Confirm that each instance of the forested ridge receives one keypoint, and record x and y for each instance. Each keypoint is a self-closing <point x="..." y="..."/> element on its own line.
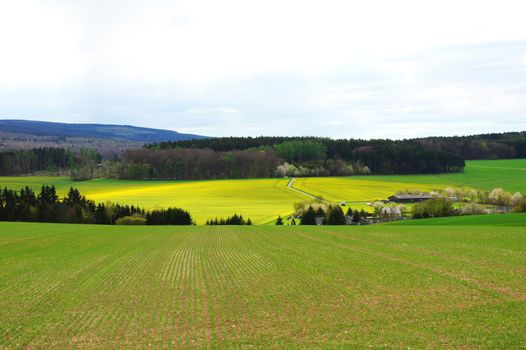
<point x="256" y="157"/>
<point x="483" y="146"/>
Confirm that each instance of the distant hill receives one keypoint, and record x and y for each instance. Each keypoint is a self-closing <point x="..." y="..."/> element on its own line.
<point x="97" y="131"/>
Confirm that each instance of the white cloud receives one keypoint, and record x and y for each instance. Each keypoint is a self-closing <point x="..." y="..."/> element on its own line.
<point x="331" y="67"/>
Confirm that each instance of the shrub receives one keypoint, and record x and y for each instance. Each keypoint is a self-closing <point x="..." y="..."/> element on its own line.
<point x="520" y="208"/>
<point x="516" y="199"/>
<point x="131" y="220"/>
<point x="432" y="208"/>
<point x="499" y="197"/>
<point x="473" y="209"/>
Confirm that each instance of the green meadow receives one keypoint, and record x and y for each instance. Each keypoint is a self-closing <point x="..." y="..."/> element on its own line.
<point x="480" y="174"/>
<point x="263" y="200"/>
<point x="381" y="286"/>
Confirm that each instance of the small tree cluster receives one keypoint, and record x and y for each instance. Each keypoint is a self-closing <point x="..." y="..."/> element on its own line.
<point x="436" y="207"/>
<point x="232" y="220"/>
<point x="332" y="215"/>
<point x="170" y="216"/>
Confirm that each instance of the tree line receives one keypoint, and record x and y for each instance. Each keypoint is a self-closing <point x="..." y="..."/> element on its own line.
<point x="231" y="220"/>
<point x="483" y="146"/>
<point x="278" y="156"/>
<point x="252" y="157"/>
<point x="50" y="159"/>
<point x="486" y="146"/>
<point x="47" y="206"/>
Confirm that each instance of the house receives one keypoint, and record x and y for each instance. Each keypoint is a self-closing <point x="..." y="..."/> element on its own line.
<point x="410" y="198"/>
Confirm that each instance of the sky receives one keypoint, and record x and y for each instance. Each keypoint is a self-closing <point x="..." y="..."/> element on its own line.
<point x="336" y="68"/>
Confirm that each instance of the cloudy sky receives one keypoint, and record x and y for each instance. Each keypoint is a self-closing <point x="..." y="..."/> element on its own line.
<point x="339" y="68"/>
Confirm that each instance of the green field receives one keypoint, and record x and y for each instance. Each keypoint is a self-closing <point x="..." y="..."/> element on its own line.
<point x="381" y="286"/>
<point x="263" y="200"/>
<point x="358" y="190"/>
<point x="517" y="220"/>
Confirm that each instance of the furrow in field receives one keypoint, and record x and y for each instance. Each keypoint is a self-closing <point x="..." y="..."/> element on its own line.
<point x="460" y="278"/>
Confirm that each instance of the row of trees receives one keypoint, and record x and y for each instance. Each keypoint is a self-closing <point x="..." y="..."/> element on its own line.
<point x="47" y="206"/>
<point x="487" y="146"/>
<point x="45" y="159"/>
<point x="484" y="146"/>
<point x="188" y="164"/>
<point x="328" y="215"/>
<point x="478" y="202"/>
<point x="231" y="220"/>
<point x="323" y="156"/>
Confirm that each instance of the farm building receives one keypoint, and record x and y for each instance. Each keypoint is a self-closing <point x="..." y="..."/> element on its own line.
<point x="410" y="198"/>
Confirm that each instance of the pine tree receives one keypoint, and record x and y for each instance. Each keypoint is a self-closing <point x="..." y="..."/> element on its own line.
<point x="308" y="217"/>
<point x="356" y="217"/>
<point x="335" y="216"/>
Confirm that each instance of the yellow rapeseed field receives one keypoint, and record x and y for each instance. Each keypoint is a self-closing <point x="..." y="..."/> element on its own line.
<point x="359" y="190"/>
<point x="261" y="200"/>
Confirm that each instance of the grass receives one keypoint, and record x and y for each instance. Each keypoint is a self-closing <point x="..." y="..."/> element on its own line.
<point x="494" y="219"/>
<point x="381" y="286"/>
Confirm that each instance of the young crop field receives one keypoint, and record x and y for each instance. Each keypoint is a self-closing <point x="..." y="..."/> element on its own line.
<point x="517" y="220"/>
<point x="381" y="286"/>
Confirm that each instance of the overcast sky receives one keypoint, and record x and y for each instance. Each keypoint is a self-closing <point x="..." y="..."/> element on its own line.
<point x="375" y="68"/>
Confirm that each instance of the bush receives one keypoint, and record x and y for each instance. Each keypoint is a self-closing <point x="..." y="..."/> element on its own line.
<point x="500" y="197"/>
<point x="473" y="209"/>
<point x="520" y="208"/>
<point x="433" y="208"/>
<point x="131" y="220"/>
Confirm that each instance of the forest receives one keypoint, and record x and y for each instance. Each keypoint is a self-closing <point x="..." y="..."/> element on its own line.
<point x="247" y="157"/>
<point x="264" y="157"/>
<point x="47" y="159"/>
<point x="484" y="146"/>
